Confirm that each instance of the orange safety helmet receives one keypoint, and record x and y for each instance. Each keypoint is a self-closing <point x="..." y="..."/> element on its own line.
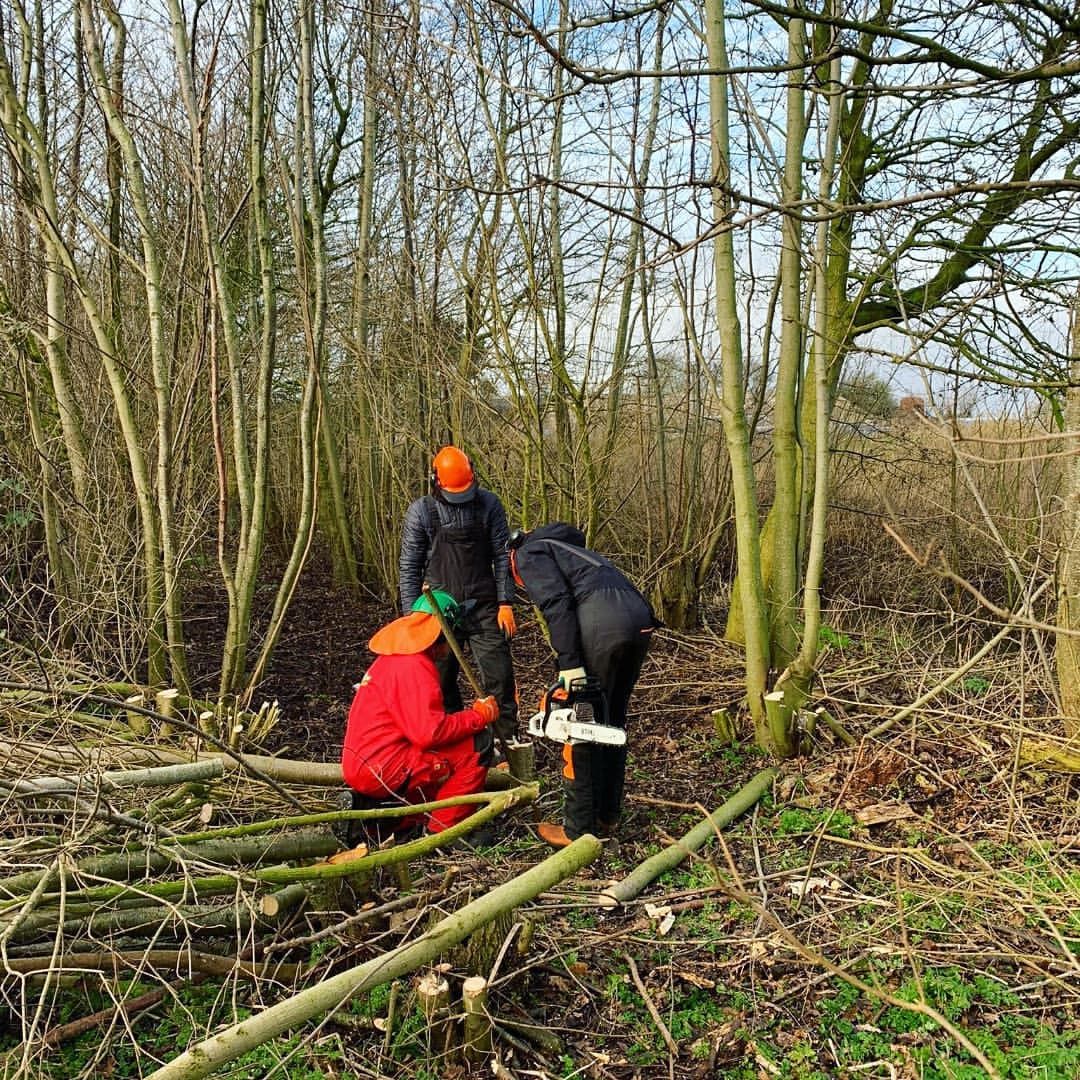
<point x="452" y="473"/>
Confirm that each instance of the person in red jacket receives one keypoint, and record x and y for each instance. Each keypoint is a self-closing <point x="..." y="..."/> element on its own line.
<point x="401" y="745"/>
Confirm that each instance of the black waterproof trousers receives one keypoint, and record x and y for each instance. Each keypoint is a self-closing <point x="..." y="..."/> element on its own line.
<point x="616" y="629"/>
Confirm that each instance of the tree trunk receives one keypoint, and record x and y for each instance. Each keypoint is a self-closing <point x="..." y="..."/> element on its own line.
<point x="801" y="668"/>
<point x="783" y="584"/>
<point x="21" y="131"/>
<point x="733" y="406"/>
<point x="159" y="367"/>
<point x="307" y="219"/>
<point x="1068" y="647"/>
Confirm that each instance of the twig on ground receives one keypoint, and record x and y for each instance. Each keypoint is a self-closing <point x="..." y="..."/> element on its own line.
<point x="658" y="1020"/>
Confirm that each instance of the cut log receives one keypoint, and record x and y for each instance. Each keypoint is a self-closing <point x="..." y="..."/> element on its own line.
<point x="1048" y="755"/>
<point x="165" y="921"/>
<point x="129" y="865"/>
<point x="160" y="776"/>
<point x="183" y="961"/>
<point x="241" y="846"/>
<point x="274" y="905"/>
<point x="647" y="872"/>
<point x="205" y="1057"/>
<point x="283" y="770"/>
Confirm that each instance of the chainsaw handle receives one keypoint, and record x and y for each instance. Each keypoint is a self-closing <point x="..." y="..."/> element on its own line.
<point x="549" y="697"/>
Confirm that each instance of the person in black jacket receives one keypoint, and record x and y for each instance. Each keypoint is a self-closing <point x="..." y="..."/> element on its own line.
<point x="455" y="539"/>
<point x="599" y="626"/>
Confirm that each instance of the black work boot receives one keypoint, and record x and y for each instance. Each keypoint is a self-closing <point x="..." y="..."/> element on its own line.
<point x="345" y="831"/>
<point x="605" y="829"/>
<point x="483" y="836"/>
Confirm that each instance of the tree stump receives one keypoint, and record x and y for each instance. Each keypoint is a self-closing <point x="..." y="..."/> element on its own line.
<point x="521" y="757"/>
<point x="433" y="998"/>
<point x="477" y="952"/>
<point x="138" y="722"/>
<point x="477" y="1030"/>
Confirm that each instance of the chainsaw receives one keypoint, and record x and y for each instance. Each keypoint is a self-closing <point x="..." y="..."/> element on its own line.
<point x="577" y="714"/>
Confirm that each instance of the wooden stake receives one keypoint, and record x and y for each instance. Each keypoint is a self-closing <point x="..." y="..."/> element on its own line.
<point x="138" y="723"/>
<point x="477" y="1035"/>
<point x="433" y="997"/>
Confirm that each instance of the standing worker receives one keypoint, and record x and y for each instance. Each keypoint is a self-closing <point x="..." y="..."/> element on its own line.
<point x="401" y="742"/>
<point x="601" y="626"/>
<point x="455" y="539"/>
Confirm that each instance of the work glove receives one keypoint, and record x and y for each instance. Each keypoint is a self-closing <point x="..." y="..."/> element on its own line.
<point x="506" y="621"/>
<point x="488" y="708"/>
<point x="568" y="676"/>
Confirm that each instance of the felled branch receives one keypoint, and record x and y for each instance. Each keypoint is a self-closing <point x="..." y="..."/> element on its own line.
<point x="207" y="1056"/>
<point x="647" y="872"/>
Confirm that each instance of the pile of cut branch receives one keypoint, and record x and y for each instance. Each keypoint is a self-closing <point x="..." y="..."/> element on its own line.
<point x="131" y="870"/>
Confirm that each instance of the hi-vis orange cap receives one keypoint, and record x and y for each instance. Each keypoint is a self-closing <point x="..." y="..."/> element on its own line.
<point x="412" y="633"/>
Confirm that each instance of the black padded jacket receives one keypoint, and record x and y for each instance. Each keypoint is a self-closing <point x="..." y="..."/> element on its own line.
<point x="562" y="575"/>
<point x="418" y="538"/>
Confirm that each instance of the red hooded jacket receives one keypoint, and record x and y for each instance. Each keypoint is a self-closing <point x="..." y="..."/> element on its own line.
<point x="397" y="719"/>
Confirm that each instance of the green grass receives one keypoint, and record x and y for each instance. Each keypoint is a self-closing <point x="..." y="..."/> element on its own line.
<point x="582" y="918"/>
<point x="195" y="1012"/>
<point x="854" y="1033"/>
<point x="795" y="821"/>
